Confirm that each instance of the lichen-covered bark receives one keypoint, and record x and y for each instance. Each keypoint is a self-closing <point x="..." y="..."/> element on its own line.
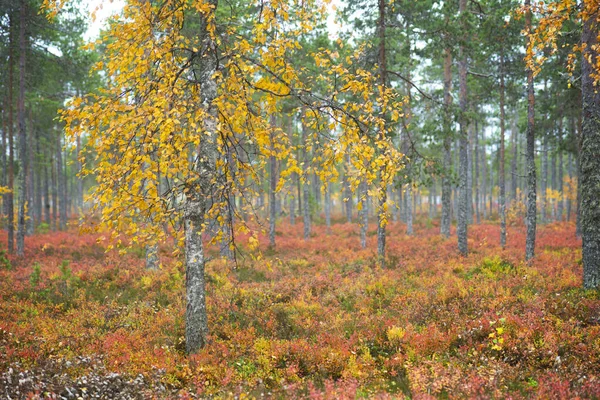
<point x="590" y="160"/>
<point x="530" y="218"/>
<point x="196" y="321"/>
<point x="198" y="194"/>
<point x="152" y="260"/>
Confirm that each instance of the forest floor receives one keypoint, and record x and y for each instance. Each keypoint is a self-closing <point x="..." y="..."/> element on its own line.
<point x="315" y="318"/>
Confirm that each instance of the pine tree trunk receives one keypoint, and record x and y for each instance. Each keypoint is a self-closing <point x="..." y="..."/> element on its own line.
<point x="470" y="208"/>
<point x="513" y="165"/>
<point x="484" y="178"/>
<point x="54" y="195"/>
<point x="409" y="210"/>
<point x="463" y="206"/>
<point x="47" y="196"/>
<point x="447" y="157"/>
<point x="328" y="206"/>
<point x="531" y="173"/>
<point x="10" y="208"/>
<point x="544" y="183"/>
<point x="31" y="220"/>
<point x="501" y="182"/>
<point x="22" y="134"/>
<point x="272" y="187"/>
<point x="590" y="149"/>
<point x="79" y="201"/>
<point x="381" y="209"/>
<point x="476" y="170"/>
<point x="62" y="205"/>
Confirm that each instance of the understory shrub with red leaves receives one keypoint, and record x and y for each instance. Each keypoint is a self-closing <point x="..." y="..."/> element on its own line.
<point x="316" y="318"/>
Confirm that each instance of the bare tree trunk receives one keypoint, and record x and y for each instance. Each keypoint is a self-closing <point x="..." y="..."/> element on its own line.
<point x="570" y="173"/>
<point x="476" y="170"/>
<point x="463" y="206"/>
<point x="62" y="201"/>
<point x="446" y="178"/>
<point x="272" y="187"/>
<point x="544" y="183"/>
<point x="590" y="149"/>
<point x="328" y="206"/>
<point x="513" y="165"/>
<point x="10" y="209"/>
<point x="47" y="196"/>
<point x="382" y="197"/>
<point x="531" y="174"/>
<point x="409" y="210"/>
<point x="470" y="208"/>
<point x="306" y="183"/>
<point x="79" y="201"/>
<point x="501" y="182"/>
<point x="22" y="133"/>
<point x="31" y="218"/>
<point x="484" y="178"/>
<point x="54" y="195"/>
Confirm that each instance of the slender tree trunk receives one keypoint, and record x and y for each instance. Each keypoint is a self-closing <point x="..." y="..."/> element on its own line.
<point x="364" y="214"/>
<point x="531" y="174"/>
<point x="381" y="209"/>
<point x="62" y="205"/>
<point x="476" y="170"/>
<point x="409" y="210"/>
<point x="544" y="183"/>
<point x="560" y="177"/>
<point x="463" y="207"/>
<point x="4" y="160"/>
<point x="10" y="209"/>
<point x="31" y="220"/>
<point x="590" y="149"/>
<point x="501" y="182"/>
<point x="272" y="187"/>
<point x="79" y="178"/>
<point x="484" y="177"/>
<point x="22" y="133"/>
<point x="47" y="196"/>
<point x="347" y="200"/>
<point x="328" y="206"/>
<point x="570" y="172"/>
<point x="513" y="165"/>
<point x="470" y="208"/>
<point x="306" y="183"/>
<point x="54" y="195"/>
<point x="38" y="185"/>
<point x="446" y="178"/>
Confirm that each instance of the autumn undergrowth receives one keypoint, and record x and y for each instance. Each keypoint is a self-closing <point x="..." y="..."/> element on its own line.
<point x="318" y="318"/>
